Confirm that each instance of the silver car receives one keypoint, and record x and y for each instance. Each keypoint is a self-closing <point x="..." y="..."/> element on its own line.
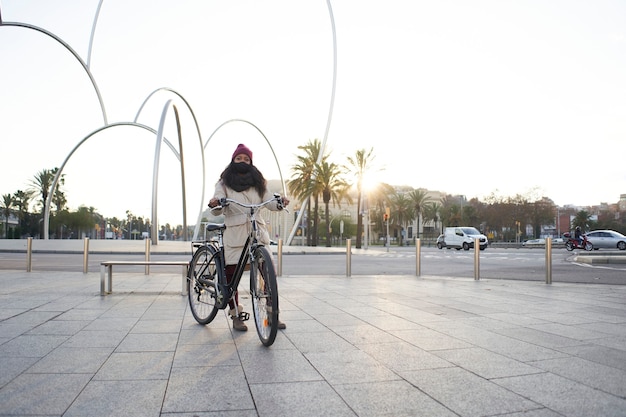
<point x="607" y="239"/>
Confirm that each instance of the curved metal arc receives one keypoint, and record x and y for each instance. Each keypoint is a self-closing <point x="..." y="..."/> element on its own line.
<point x="69" y="48"/>
<point x="93" y="32"/>
<point x="172" y="148"/>
<point x="282" y="182"/>
<point x="46" y="225"/>
<point x="155" y="173"/>
<point x="262" y="134"/>
<point x="330" y="115"/>
<point x="195" y="120"/>
<point x="182" y="173"/>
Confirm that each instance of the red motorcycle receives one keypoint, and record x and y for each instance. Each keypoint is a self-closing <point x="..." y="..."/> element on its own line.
<point x="573" y="243"/>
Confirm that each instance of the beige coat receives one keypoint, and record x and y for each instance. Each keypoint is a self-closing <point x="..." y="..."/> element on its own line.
<point x="237" y="219"/>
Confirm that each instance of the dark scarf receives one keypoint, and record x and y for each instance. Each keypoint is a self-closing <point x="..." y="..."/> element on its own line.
<point x="241" y="176"/>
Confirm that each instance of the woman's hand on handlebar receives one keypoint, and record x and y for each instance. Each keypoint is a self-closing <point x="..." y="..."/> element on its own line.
<point x="282" y="202"/>
<point x="214" y="202"/>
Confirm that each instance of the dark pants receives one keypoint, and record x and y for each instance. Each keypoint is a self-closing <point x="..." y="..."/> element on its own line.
<point x="230" y="272"/>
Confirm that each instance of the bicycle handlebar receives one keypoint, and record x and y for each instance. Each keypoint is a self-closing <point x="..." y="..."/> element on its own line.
<point x="226" y="201"/>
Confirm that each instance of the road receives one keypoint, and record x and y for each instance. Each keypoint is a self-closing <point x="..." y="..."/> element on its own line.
<point x="522" y="264"/>
<point x="494" y="263"/>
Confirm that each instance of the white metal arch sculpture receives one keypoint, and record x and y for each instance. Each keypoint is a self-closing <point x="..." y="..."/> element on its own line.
<point x="46" y="217"/>
<point x="72" y="51"/>
<point x="159" y="134"/>
<point x="155" y="173"/>
<point x="100" y="100"/>
<point x="159" y="137"/>
<point x="330" y="116"/>
<point x="179" y="156"/>
<point x="155" y="181"/>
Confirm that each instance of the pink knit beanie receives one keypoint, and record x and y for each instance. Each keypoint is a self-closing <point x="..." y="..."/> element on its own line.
<point x="242" y="149"/>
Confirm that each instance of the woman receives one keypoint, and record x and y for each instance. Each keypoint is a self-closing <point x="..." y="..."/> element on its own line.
<point x="243" y="182"/>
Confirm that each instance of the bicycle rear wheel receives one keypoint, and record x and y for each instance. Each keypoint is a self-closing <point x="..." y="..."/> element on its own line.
<point x="202" y="283"/>
<point x="264" y="294"/>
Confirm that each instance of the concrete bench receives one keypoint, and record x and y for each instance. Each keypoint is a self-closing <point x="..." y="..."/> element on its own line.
<point x="106" y="268"/>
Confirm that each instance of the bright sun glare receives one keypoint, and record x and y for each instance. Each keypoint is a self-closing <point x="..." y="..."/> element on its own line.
<point x="370" y="182"/>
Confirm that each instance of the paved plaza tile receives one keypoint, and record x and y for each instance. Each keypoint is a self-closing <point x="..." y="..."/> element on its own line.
<point x="354" y="346"/>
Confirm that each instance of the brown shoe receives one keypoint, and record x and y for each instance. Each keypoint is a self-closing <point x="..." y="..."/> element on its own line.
<point x="239" y="325"/>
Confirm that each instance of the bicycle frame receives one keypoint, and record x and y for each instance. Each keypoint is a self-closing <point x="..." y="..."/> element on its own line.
<point x="225" y="291"/>
<point x="247" y="254"/>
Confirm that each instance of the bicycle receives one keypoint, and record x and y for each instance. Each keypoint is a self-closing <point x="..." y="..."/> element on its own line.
<point x="208" y="290"/>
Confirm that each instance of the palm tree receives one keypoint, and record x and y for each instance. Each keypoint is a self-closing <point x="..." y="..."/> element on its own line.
<point x="334" y="188"/>
<point x="431" y="213"/>
<point x="401" y="211"/>
<point x="302" y="184"/>
<point x="58" y="198"/>
<point x="418" y="198"/>
<point x="450" y="211"/>
<point x="41" y="183"/>
<point x="582" y="219"/>
<point x="7" y="203"/>
<point x="359" y="165"/>
<point x="129" y="224"/>
<point x="22" y="201"/>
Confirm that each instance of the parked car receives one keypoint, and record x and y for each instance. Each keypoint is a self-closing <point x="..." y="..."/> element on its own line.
<point x="534" y="242"/>
<point x="607" y="239"/>
<point x="441" y="243"/>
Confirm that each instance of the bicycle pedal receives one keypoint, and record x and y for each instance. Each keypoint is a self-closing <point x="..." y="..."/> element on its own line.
<point x="243" y="316"/>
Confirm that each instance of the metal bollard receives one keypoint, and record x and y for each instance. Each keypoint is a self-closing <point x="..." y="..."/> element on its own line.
<point x="280" y="258"/>
<point x="148" y="241"/>
<point x="476" y="259"/>
<point x="348" y="257"/>
<point x="29" y="255"/>
<point x="86" y="256"/>
<point x="418" y="257"/>
<point x="548" y="260"/>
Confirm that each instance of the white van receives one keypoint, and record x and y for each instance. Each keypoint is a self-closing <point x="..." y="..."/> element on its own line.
<point x="463" y="237"/>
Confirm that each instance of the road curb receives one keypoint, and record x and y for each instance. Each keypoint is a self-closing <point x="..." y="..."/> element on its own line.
<point x="601" y="259"/>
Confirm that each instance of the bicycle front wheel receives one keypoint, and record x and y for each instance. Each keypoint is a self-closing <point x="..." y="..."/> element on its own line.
<point x="202" y="283"/>
<point x="264" y="294"/>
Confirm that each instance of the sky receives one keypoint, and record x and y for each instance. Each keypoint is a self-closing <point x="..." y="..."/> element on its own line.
<point x="463" y="97"/>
